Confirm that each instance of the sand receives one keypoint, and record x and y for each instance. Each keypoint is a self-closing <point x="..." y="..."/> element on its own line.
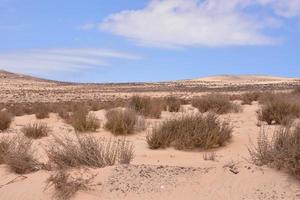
<point x="162" y="174"/>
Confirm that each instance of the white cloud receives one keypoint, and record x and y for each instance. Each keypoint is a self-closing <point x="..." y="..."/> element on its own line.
<point x="87" y="26"/>
<point x="177" y="23"/>
<point x="59" y="60"/>
<point x="285" y="8"/>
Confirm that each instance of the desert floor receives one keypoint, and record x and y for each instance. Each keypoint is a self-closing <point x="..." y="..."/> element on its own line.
<point x="162" y="174"/>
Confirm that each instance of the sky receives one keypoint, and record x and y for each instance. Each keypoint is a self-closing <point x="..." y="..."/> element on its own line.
<point x="149" y="40"/>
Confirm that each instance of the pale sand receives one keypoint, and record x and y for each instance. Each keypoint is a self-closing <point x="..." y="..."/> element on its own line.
<point x="163" y="174"/>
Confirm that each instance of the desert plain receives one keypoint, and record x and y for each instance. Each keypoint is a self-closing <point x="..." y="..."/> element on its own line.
<point x="222" y="172"/>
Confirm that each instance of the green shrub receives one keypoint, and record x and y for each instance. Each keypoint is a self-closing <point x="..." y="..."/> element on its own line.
<point x="189" y="132"/>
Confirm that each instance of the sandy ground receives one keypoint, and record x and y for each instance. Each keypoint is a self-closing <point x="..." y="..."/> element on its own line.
<point x="163" y="174"/>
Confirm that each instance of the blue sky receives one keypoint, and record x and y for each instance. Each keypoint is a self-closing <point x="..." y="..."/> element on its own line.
<point x="156" y="40"/>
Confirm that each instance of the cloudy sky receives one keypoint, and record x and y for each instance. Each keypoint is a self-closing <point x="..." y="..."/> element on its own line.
<point x="149" y="40"/>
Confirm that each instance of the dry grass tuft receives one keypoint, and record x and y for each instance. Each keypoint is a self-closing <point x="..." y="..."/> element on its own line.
<point x="190" y="132"/>
<point x="36" y="130"/>
<point x="173" y="104"/>
<point x="89" y="151"/>
<point x="296" y="90"/>
<point x="5" y="120"/>
<point x="121" y="122"/>
<point x="210" y="156"/>
<point x="147" y="106"/>
<point x="281" y="151"/>
<point x="83" y="121"/>
<point x="4" y="145"/>
<point x="19" y="156"/>
<point x="66" y="186"/>
<point x="248" y="98"/>
<point x="279" y="109"/>
<point x="41" y="111"/>
<point x="217" y="103"/>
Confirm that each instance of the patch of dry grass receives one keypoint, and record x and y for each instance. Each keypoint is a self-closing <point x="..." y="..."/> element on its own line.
<point x="281" y="150"/>
<point x="249" y="97"/>
<point x="190" y="132"/>
<point x="19" y="155"/>
<point x="66" y="185"/>
<point x="88" y="151"/>
<point x="83" y="121"/>
<point x="5" y="120"/>
<point x="147" y="106"/>
<point x="121" y="122"/>
<point x="36" y="130"/>
<point x="216" y="103"/>
<point x="279" y="108"/>
<point x="41" y="111"/>
<point x="173" y="104"/>
<point x="4" y="145"/>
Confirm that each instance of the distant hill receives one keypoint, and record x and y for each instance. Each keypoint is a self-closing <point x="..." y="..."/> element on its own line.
<point x="243" y="78"/>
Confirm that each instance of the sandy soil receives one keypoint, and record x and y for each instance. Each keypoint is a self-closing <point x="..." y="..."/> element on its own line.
<point x="163" y="174"/>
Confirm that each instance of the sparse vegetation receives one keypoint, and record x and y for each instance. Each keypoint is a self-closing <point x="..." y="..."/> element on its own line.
<point x="190" y="132"/>
<point x="88" y="151"/>
<point x="41" y="111"/>
<point x="172" y="104"/>
<point x="279" y="109"/>
<point x="249" y="97"/>
<point x="147" y="106"/>
<point x="66" y="186"/>
<point x="282" y="150"/>
<point x="121" y="122"/>
<point x="19" y="155"/>
<point x="217" y="103"/>
<point x="209" y="156"/>
<point x="36" y="130"/>
<point x="296" y="90"/>
<point x="83" y="121"/>
<point x="5" y="120"/>
<point x="4" y="145"/>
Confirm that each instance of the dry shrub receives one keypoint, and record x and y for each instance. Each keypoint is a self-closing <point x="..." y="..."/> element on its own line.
<point x="279" y="109"/>
<point x="121" y="122"/>
<point x="190" y="132"/>
<point x="66" y="185"/>
<point x="147" y="106"/>
<point x="19" y="156"/>
<point x="249" y="97"/>
<point x="210" y="156"/>
<point x="4" y="145"/>
<point x="36" y="130"/>
<point x="83" y="121"/>
<point x="89" y="151"/>
<point x="172" y="104"/>
<point x="5" y="120"/>
<point x="296" y="91"/>
<point x="281" y="150"/>
<point x="41" y="111"/>
<point x="217" y="103"/>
